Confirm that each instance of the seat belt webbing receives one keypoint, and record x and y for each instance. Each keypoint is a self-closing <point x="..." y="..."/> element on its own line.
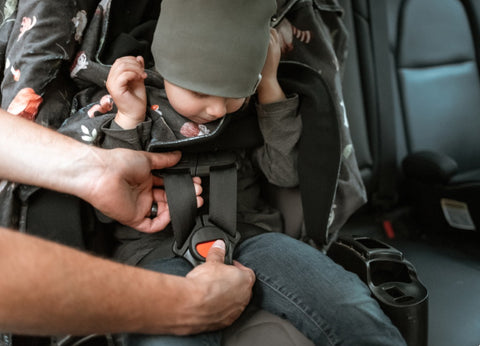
<point x="385" y="196"/>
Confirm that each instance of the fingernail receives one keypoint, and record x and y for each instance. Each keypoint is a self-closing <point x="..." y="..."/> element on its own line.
<point x="219" y="243"/>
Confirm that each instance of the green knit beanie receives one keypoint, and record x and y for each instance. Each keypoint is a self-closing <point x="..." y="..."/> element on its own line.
<point x="214" y="47"/>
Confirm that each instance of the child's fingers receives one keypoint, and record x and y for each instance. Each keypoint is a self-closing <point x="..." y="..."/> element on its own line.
<point x="140" y="61"/>
<point x="200" y="201"/>
<point x="129" y="64"/>
<point x="127" y="76"/>
<point x="198" y="189"/>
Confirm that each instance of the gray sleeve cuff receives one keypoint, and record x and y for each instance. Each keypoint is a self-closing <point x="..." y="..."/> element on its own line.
<point x="117" y="137"/>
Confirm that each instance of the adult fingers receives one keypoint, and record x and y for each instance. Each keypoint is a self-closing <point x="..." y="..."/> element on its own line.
<point x="163" y="160"/>
<point x="160" y="196"/>
<point x="246" y="269"/>
<point x="160" y="221"/>
<point x="156" y="224"/>
<point x="217" y="252"/>
<point x="157" y="181"/>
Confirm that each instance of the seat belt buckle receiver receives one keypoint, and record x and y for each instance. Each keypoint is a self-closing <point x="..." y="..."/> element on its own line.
<point x="200" y="240"/>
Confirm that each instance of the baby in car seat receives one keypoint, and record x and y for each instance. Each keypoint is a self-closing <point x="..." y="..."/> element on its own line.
<point x="219" y="59"/>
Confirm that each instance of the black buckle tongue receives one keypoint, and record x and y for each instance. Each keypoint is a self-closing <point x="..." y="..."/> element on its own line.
<point x="204" y="234"/>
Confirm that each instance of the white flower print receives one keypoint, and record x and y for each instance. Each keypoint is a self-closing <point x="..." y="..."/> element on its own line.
<point x="81" y="63"/>
<point x="80" y="22"/>
<point x="88" y="137"/>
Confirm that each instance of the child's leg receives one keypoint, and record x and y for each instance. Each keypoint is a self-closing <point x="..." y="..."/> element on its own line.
<point x="328" y="304"/>
<point x="167" y="340"/>
<point x="175" y="266"/>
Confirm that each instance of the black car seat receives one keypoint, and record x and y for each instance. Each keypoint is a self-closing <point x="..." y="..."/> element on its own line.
<point x="436" y="71"/>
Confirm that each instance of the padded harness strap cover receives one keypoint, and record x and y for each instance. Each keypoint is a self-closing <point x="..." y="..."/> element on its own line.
<point x="319" y="147"/>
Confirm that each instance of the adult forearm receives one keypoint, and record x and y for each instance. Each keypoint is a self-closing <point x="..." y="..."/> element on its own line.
<point x="39" y="156"/>
<point x="47" y="289"/>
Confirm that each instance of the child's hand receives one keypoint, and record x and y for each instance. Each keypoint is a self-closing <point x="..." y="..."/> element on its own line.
<point x="269" y="90"/>
<point x="126" y="85"/>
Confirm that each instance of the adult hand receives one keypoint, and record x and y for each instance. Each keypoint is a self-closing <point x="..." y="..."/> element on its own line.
<point x="124" y="187"/>
<point x="222" y="292"/>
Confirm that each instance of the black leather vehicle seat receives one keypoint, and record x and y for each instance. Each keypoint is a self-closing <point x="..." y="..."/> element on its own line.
<point x="439" y="86"/>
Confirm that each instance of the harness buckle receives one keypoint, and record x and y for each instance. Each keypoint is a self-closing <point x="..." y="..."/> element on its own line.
<point x="194" y="234"/>
<point x="200" y="240"/>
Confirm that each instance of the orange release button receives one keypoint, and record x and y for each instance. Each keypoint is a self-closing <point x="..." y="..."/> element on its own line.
<point x="203" y="248"/>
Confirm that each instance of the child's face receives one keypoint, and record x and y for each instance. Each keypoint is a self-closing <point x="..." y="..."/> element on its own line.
<point x="200" y="108"/>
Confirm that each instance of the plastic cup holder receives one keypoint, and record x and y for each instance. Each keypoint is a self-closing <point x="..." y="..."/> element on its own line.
<point x="398" y="296"/>
<point x="382" y="271"/>
<point x="392" y="280"/>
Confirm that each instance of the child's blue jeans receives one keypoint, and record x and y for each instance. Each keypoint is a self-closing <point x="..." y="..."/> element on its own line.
<point x="295" y="281"/>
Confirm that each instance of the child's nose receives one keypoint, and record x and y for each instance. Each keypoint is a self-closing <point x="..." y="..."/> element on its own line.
<point x="217" y="107"/>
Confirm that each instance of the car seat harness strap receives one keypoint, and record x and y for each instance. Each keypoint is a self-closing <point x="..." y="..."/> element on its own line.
<point x="182" y="204"/>
<point x="194" y="234"/>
